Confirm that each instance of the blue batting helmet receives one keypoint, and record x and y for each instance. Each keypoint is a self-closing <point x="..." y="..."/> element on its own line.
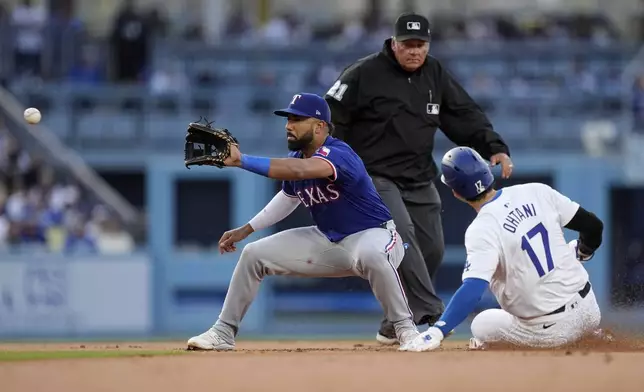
<point x="466" y="172"/>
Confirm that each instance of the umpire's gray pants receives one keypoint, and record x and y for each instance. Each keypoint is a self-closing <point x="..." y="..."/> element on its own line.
<point x="417" y="214"/>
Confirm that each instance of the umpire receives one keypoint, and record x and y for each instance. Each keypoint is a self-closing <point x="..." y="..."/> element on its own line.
<point x="387" y="107"/>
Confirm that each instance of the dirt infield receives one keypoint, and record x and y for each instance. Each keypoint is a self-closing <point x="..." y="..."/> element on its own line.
<point x="330" y="366"/>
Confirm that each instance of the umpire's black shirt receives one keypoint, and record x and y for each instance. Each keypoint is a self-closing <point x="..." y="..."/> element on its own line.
<point x="389" y="116"/>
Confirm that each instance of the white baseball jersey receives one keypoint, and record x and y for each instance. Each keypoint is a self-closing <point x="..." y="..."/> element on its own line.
<point x="516" y="242"/>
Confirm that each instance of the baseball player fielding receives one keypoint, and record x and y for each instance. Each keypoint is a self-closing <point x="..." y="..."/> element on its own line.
<point x="354" y="233"/>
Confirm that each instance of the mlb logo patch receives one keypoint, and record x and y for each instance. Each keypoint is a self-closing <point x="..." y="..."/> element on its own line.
<point x="433" y="108"/>
<point x="324" y="151"/>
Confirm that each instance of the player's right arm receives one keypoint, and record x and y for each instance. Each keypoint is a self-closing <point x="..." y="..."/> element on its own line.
<point x="281" y="206"/>
<point x="342" y="98"/>
<point x="574" y="217"/>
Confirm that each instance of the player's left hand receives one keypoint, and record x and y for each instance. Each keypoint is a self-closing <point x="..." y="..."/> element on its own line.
<point x="235" y="156"/>
<point x="505" y="161"/>
<point x="426" y="341"/>
<point x="207" y="145"/>
<point x="580" y="254"/>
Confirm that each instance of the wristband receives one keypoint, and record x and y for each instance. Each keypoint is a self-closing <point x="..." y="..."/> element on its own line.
<point x="257" y="165"/>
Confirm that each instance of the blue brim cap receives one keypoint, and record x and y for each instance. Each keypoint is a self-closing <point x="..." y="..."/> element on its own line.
<point x="287" y="111"/>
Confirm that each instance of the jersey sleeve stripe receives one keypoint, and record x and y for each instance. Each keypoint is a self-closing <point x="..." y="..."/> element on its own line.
<point x="289" y="195"/>
<point x="335" y="172"/>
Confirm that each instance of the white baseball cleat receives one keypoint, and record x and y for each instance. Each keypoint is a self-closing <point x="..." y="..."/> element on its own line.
<point x="209" y="340"/>
<point x="426" y="341"/>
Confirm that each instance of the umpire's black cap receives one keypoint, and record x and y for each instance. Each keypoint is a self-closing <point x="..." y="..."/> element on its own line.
<point x="411" y="26"/>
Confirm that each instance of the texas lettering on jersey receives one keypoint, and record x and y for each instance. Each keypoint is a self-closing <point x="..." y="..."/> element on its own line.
<point x="315" y="195"/>
<point x="345" y="203"/>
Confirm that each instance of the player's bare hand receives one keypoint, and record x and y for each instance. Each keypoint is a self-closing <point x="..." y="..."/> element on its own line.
<point x="235" y="156"/>
<point x="506" y="163"/>
<point x="231" y="237"/>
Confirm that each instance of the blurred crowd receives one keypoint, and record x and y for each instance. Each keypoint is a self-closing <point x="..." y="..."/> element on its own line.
<point x="42" y="211"/>
<point x="42" y="39"/>
<point x="288" y="29"/>
<point x="55" y="46"/>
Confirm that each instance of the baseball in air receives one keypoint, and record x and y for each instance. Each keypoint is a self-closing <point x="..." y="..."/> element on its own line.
<point x="32" y="115"/>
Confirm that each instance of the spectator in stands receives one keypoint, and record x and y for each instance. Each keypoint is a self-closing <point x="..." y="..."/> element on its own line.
<point x="238" y="26"/>
<point x="16" y="205"/>
<point x="129" y="44"/>
<point x="169" y="79"/>
<point x="89" y="70"/>
<point x="98" y="216"/>
<point x="4" y="229"/>
<point x="28" y="21"/>
<point x="277" y="32"/>
<point x="353" y="32"/>
<point x="581" y="79"/>
<point x="23" y="212"/>
<point x="157" y="22"/>
<point x="64" y="34"/>
<point x="52" y="223"/>
<point x="77" y="240"/>
<point x="324" y="75"/>
<point x="638" y="105"/>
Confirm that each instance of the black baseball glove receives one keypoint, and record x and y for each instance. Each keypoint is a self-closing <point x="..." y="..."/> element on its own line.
<point x="206" y="145"/>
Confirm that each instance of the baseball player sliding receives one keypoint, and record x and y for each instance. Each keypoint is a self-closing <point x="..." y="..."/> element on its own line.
<point x="516" y="245"/>
<point x="354" y="233"/>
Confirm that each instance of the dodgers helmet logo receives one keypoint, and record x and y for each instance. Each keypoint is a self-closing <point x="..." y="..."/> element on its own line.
<point x="479" y="186"/>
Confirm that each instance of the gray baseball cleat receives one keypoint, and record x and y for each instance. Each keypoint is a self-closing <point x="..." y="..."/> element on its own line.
<point x="209" y="340"/>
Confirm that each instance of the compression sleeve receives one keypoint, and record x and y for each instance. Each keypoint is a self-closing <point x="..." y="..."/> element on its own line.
<point x="462" y="304"/>
<point x="277" y="209"/>
<point x="590" y="229"/>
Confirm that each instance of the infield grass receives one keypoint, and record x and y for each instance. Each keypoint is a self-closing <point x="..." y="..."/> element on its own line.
<point x="6" y="356"/>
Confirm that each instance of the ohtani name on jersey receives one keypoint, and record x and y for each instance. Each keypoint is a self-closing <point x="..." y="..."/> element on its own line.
<point x="517" y="216"/>
<point x="313" y="195"/>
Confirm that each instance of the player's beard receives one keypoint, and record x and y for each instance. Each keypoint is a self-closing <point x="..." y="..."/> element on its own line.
<point x="301" y="142"/>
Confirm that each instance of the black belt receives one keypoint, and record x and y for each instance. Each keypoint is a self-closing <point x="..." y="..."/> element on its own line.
<point x="582" y="293"/>
<point x="383" y="225"/>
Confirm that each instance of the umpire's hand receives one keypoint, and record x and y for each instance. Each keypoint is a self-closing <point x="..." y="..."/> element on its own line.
<point x="505" y="161"/>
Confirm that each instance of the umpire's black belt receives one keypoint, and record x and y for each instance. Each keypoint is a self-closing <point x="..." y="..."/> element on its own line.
<point x="582" y="293"/>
